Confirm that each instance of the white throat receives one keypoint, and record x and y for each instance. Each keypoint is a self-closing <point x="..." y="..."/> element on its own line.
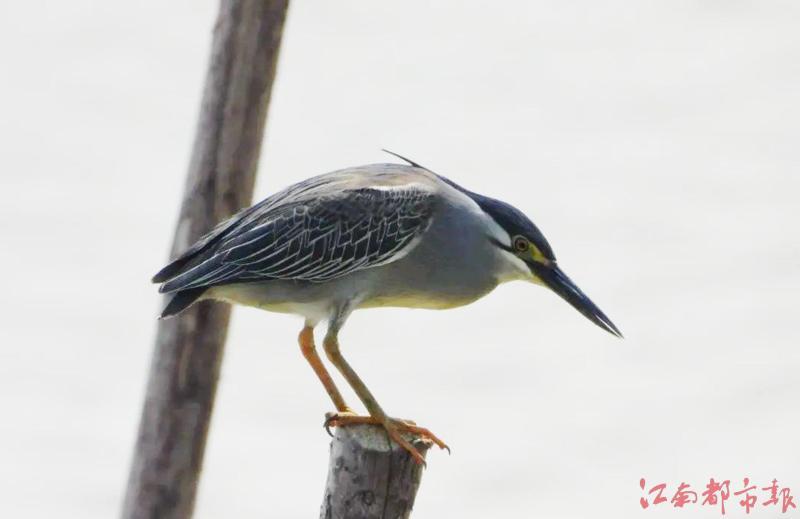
<point x="509" y="266"/>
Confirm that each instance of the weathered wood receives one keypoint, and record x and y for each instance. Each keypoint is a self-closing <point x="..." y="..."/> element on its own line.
<point x="370" y="477"/>
<point x="189" y="348"/>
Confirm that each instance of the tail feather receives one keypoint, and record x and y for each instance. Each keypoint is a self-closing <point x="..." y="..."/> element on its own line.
<point x="172" y="269"/>
<point x="196" y="277"/>
<point x="193" y="253"/>
<point x="182" y="300"/>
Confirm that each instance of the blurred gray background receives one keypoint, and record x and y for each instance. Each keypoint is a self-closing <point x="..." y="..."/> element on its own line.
<point x="655" y="144"/>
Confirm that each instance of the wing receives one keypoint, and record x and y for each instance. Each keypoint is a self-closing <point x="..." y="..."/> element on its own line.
<point x="314" y="239"/>
<point x="240" y="222"/>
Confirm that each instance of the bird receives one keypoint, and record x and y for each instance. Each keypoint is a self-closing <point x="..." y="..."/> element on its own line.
<point x="378" y="235"/>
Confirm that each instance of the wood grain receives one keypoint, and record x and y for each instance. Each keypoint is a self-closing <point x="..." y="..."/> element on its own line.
<point x="189" y="348"/>
<point x="370" y="477"/>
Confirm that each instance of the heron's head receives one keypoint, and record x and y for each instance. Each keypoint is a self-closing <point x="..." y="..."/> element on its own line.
<point x="526" y="243"/>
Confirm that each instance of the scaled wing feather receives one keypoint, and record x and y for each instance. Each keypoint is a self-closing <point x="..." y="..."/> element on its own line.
<point x="315" y="239"/>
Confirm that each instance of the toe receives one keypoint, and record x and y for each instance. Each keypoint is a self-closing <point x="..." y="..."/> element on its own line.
<point x="405" y="444"/>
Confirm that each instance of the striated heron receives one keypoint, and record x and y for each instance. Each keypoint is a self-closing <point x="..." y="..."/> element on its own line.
<point x="370" y="236"/>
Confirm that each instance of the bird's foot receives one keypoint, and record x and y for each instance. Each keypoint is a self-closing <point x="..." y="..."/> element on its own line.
<point x="394" y="427"/>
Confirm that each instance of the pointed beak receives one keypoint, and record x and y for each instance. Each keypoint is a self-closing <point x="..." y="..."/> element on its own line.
<point x="555" y="279"/>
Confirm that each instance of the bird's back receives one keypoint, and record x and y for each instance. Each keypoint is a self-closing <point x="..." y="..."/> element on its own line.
<point x="311" y="219"/>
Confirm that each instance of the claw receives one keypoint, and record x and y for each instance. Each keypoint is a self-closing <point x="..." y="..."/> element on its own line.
<point x="332" y="419"/>
<point x="393" y="428"/>
<point x="425" y="433"/>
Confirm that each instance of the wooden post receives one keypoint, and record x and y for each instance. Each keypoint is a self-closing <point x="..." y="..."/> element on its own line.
<point x="369" y="476"/>
<point x="189" y="348"/>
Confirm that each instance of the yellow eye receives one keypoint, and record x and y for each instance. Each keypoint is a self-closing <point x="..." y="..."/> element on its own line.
<point x="521" y="244"/>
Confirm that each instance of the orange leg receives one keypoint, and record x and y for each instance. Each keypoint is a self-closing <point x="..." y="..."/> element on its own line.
<point x="306" y="340"/>
<point x="377" y="415"/>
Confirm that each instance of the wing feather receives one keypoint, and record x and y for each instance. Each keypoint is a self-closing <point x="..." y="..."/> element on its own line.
<point x="315" y="239"/>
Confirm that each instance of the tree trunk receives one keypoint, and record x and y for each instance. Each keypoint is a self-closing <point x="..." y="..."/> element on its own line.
<point x="369" y="476"/>
<point x="189" y="348"/>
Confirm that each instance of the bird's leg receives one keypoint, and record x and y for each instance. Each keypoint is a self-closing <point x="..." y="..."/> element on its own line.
<point x="377" y="415"/>
<point x="306" y="340"/>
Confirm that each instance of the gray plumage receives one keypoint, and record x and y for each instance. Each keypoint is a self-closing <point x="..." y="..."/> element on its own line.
<point x="323" y="229"/>
<point x="316" y="231"/>
<point x="376" y="235"/>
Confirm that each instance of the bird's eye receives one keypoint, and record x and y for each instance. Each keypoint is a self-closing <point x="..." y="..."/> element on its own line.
<point x="521" y="244"/>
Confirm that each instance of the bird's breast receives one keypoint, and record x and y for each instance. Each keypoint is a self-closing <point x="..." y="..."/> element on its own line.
<point x="424" y="300"/>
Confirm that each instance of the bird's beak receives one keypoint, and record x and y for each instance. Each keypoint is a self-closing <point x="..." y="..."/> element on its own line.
<point x="555" y="279"/>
